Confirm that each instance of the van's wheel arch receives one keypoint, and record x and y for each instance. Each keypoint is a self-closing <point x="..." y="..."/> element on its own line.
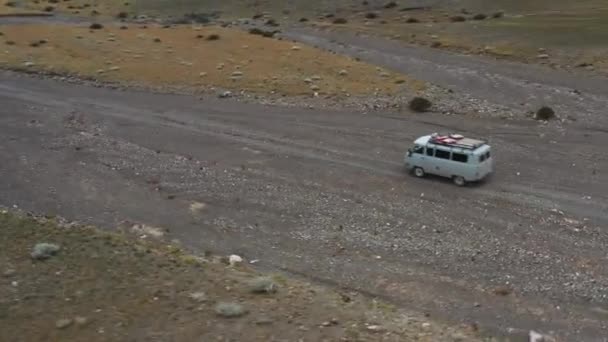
<point x="459" y="180"/>
<point x="419" y="172"/>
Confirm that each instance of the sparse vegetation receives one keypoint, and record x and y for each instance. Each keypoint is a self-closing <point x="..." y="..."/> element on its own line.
<point x="412" y="20"/>
<point x="390" y="4"/>
<point x="260" y="32"/>
<point x="479" y="16"/>
<point x="458" y="19"/>
<point x="545" y="113"/>
<point x="498" y="15"/>
<point x="420" y="104"/>
<point x="340" y="21"/>
<point x="371" y="15"/>
<point x="122" y="15"/>
<point x="213" y="36"/>
<point x="96" y="26"/>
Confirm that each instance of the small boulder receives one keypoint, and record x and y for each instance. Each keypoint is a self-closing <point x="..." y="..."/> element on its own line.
<point x="43" y="251"/>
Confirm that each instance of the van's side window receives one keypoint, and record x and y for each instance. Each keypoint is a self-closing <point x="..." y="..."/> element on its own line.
<point x="442" y="154"/>
<point x="488" y="155"/>
<point x="419" y="149"/>
<point x="459" y="157"/>
<point x="430" y="151"/>
<point x="482" y="158"/>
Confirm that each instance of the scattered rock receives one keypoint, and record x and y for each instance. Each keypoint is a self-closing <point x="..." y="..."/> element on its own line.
<point x="198" y="297"/>
<point x="80" y="320"/>
<point x="340" y="21"/>
<point x="29" y="64"/>
<point x="144" y="230"/>
<point x="230" y="310"/>
<point x="296" y="48"/>
<point x="63" y="323"/>
<point x="225" y="94"/>
<point x="44" y="250"/>
<point x="543" y="56"/>
<point x="315" y="87"/>
<point x="234" y="260"/>
<point x="114" y="68"/>
<point x="538" y="337"/>
<point x="202" y="74"/>
<point x="343" y="72"/>
<point x="544" y="113"/>
<point x="237" y="74"/>
<point x="371" y="15"/>
<point x="264" y="321"/>
<point x="262" y="285"/>
<point x="375" y="328"/>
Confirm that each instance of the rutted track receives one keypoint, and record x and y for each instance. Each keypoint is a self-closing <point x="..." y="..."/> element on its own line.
<point x="322" y="194"/>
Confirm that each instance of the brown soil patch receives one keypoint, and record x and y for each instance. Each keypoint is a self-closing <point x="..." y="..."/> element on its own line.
<point x="186" y="56"/>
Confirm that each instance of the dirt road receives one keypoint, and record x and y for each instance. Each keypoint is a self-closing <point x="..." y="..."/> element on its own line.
<point x="323" y="195"/>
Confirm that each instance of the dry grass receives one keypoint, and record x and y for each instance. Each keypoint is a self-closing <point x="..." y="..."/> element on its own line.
<point x="157" y="56"/>
<point x="106" y="8"/>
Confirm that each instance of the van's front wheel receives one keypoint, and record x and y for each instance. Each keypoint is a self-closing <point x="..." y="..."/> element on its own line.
<point x="459" y="180"/>
<point x="418" y="172"/>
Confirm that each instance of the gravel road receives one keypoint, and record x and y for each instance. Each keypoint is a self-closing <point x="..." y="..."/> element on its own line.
<point x="323" y="195"/>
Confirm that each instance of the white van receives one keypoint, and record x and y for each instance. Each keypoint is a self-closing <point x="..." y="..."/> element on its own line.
<point x="453" y="156"/>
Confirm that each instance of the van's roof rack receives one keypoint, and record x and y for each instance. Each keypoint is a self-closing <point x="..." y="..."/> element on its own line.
<point x="456" y="140"/>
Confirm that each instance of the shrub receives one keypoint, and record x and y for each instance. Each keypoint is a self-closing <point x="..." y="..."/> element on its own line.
<point x="10" y="4"/>
<point x="458" y="19"/>
<point x="479" y="16"/>
<point x="545" y="113"/>
<point x="260" y="32"/>
<point x="257" y="16"/>
<point x="271" y="22"/>
<point x="390" y="4"/>
<point x="303" y="20"/>
<point x="49" y="8"/>
<point x="213" y="36"/>
<point x="230" y="310"/>
<point x="122" y="15"/>
<point x="412" y="21"/>
<point x="420" y="104"/>
<point x="498" y="15"/>
<point x="340" y="21"/>
<point x="371" y="15"/>
<point x="96" y="26"/>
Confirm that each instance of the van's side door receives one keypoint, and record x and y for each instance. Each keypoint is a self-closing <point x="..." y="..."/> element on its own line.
<point x="442" y="162"/>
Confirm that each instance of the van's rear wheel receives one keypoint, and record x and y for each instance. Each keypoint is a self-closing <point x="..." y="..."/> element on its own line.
<point x="458" y="180"/>
<point x="419" y="172"/>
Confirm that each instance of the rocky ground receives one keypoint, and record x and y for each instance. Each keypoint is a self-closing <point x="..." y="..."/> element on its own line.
<point x="314" y="186"/>
<point x="65" y="282"/>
